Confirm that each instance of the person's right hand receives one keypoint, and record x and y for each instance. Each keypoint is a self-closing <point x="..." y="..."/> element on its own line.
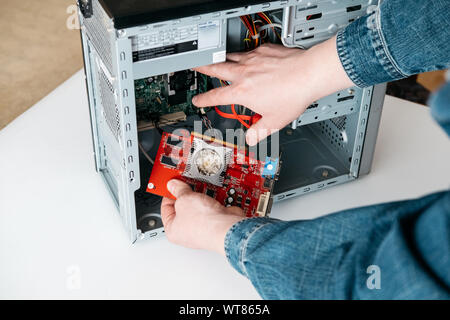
<point x="276" y="82"/>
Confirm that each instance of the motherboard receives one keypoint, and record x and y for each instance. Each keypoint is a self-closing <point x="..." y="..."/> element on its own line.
<point x="168" y="94"/>
<point x="215" y="168"/>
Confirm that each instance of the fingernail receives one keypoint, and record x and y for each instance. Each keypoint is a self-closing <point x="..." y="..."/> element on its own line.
<point x="171" y="185"/>
<point x="251" y="139"/>
<point x="194" y="100"/>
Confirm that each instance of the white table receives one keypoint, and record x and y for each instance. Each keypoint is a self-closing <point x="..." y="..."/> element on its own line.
<point x="61" y="237"/>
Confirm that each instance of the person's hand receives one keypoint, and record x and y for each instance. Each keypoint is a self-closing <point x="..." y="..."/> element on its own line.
<point x="195" y="220"/>
<point x="276" y="82"/>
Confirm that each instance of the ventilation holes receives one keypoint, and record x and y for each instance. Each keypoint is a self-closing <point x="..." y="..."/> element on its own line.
<point x="108" y="103"/>
<point x="332" y="129"/>
<point x="354" y="8"/>
<point x="97" y="27"/>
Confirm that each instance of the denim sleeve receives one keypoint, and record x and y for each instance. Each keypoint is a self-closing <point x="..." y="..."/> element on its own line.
<point x="397" y="250"/>
<point x="398" y="39"/>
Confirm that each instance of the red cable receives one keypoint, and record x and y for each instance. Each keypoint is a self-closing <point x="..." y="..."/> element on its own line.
<point x="241" y="118"/>
<point x="224" y="114"/>
<point x="247" y="24"/>
<point x="264" y="18"/>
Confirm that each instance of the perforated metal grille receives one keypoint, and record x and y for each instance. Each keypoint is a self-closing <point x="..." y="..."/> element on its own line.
<point x="108" y="102"/>
<point x="97" y="27"/>
<point x="313" y="21"/>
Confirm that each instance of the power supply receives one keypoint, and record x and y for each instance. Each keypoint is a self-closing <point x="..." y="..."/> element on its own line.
<point x="139" y="58"/>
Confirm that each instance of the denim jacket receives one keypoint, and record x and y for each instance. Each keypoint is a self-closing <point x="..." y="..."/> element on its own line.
<point x="404" y="246"/>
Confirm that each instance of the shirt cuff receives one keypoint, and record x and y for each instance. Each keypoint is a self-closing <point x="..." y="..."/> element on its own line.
<point x="238" y="238"/>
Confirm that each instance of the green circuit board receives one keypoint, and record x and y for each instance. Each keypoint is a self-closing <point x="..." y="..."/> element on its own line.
<point x="170" y="93"/>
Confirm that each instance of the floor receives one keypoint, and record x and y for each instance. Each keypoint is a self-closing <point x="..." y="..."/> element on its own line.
<point x="37" y="52"/>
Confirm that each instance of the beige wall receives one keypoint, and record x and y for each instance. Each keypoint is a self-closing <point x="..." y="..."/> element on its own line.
<point x="37" y="52"/>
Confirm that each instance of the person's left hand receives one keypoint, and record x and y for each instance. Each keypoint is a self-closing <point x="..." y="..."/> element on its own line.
<point x="195" y="220"/>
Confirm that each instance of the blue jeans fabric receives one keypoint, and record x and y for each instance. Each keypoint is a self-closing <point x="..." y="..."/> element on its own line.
<point x="329" y="257"/>
<point x="398" y="250"/>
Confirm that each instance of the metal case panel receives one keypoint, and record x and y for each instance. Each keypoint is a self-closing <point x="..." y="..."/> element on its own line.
<point x="111" y="68"/>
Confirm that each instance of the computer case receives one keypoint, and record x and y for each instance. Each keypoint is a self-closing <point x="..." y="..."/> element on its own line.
<point x="127" y="41"/>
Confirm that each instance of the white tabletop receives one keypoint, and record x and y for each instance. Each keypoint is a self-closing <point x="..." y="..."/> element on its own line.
<point x="61" y="237"/>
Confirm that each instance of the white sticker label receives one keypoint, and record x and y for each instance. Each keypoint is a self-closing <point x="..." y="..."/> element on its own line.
<point x="166" y="37"/>
<point x="219" y="56"/>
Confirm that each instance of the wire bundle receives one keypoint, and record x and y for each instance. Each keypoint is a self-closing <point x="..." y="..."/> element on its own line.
<point x="257" y="32"/>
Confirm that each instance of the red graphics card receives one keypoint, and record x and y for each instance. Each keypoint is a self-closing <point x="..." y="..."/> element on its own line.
<point x="217" y="169"/>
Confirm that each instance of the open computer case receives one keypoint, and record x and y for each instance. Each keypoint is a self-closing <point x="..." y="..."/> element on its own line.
<point x="136" y="49"/>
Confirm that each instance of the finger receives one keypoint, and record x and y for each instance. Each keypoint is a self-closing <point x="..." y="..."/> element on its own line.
<point x="167" y="211"/>
<point x="216" y="97"/>
<point x="260" y="130"/>
<point x="275" y="50"/>
<point x="228" y="71"/>
<point x="178" y="188"/>
<point x="236" y="211"/>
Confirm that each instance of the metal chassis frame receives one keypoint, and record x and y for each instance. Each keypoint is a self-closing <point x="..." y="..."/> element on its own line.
<point x="123" y="76"/>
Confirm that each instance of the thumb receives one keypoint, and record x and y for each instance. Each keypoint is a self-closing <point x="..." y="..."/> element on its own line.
<point x="259" y="131"/>
<point x="215" y="97"/>
<point x="178" y="188"/>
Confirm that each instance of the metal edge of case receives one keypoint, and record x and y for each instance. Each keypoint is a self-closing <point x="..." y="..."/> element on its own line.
<point x="134" y="20"/>
<point x="124" y="75"/>
<point x="88" y="80"/>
